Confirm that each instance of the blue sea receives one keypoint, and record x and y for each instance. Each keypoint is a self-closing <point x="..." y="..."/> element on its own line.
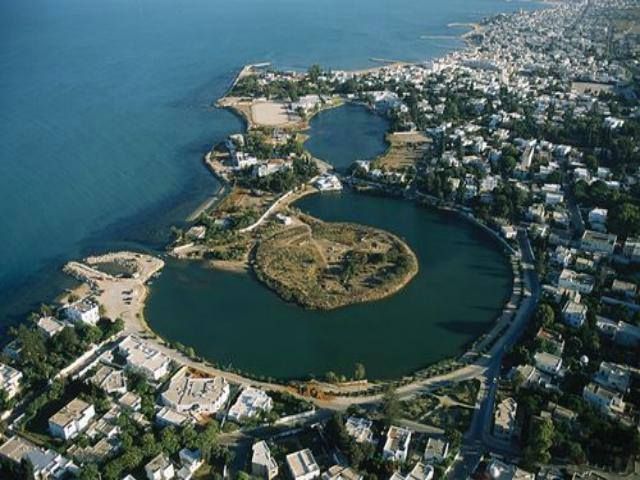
<point x="106" y="108"/>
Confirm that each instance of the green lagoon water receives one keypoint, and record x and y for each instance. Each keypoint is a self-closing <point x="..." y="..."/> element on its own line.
<point x="234" y="320"/>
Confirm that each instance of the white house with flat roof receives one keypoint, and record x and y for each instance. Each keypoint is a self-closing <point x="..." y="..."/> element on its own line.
<point x="421" y="471"/>
<point x="360" y="429"/>
<point x="169" y="417"/>
<point x="598" y="219"/>
<point x="160" y="468"/>
<point x="436" y="450"/>
<point x="605" y="400"/>
<point x="143" y="358"/>
<point x="302" y="465"/>
<point x="10" y="379"/>
<point x="574" y="314"/>
<point x="262" y="463"/>
<point x="188" y="393"/>
<point x="190" y="461"/>
<point x="249" y="404"/>
<point x="498" y="470"/>
<point x="50" y="326"/>
<point x="110" y="379"/>
<point x="396" y="445"/>
<point x="548" y="363"/>
<point x="71" y="419"/>
<point x="597" y="242"/>
<point x="579" y="282"/>
<point x="613" y="377"/>
<point x="339" y="472"/>
<point x="83" y="311"/>
<point x="46" y="464"/>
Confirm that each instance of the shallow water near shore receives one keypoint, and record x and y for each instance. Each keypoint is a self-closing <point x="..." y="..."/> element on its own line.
<point x="106" y="109"/>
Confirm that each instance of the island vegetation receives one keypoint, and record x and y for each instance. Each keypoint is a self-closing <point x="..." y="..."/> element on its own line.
<point x="329" y="265"/>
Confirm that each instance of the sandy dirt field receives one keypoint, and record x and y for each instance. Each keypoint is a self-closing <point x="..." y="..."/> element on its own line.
<point x="122" y="297"/>
<point x="272" y="114"/>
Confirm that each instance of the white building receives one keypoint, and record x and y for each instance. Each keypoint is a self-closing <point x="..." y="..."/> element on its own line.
<point x="504" y="419"/>
<point x="548" y="363"/>
<point x="579" y="282"/>
<point x="242" y="160"/>
<point x="608" y="402"/>
<point x="338" y="472"/>
<point x="110" y="380"/>
<point x="498" y="470"/>
<point x="262" y="463"/>
<point x="83" y="311"/>
<point x="72" y="419"/>
<point x="613" y="377"/>
<point x="597" y="242"/>
<point x="302" y="465"/>
<point x="574" y="314"/>
<point x="328" y="182"/>
<point x="160" y="468"/>
<point x="10" y="379"/>
<point x="130" y="401"/>
<point x="168" y="417"/>
<point x="250" y="403"/>
<point x="47" y="464"/>
<point x="628" y="289"/>
<point x="190" y="461"/>
<point x="306" y="103"/>
<point x="420" y="471"/>
<point x="598" y="219"/>
<point x="142" y="357"/>
<point x="436" y="450"/>
<point x="186" y="393"/>
<point x="50" y="326"/>
<point x="552" y="198"/>
<point x="360" y="429"/>
<point x="396" y="445"/>
<point x="631" y="249"/>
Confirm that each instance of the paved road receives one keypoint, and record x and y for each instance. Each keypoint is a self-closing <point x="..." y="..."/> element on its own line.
<point x="478" y="439"/>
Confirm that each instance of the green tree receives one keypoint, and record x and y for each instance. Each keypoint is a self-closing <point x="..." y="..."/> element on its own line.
<point x="89" y="471"/>
<point x="360" y="372"/>
<point x="169" y="441"/>
<point x="315" y="71"/>
<point x="545" y="315"/>
<point x="624" y="220"/>
<point x="390" y="406"/>
<point x="540" y="442"/>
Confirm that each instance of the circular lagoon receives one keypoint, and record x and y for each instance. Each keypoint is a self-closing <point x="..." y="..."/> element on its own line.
<point x="345" y="134"/>
<point x="235" y="321"/>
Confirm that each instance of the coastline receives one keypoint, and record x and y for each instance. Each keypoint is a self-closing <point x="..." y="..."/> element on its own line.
<point x="223" y="192"/>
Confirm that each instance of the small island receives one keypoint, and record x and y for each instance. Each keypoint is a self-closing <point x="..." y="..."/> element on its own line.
<point x="324" y="265"/>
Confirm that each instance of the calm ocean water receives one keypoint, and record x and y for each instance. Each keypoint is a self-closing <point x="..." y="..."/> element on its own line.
<point x="105" y="108"/>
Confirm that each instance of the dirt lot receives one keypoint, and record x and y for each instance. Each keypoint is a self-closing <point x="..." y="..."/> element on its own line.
<point x="272" y="114"/>
<point x="405" y="150"/>
<point x="122" y="297"/>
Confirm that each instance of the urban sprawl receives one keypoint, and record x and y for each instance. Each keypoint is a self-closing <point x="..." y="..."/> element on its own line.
<point x="533" y="132"/>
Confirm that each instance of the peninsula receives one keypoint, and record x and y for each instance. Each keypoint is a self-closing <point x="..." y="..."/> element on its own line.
<point x="255" y="225"/>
